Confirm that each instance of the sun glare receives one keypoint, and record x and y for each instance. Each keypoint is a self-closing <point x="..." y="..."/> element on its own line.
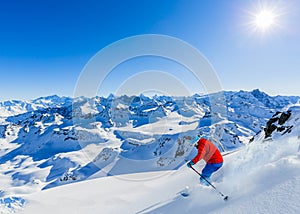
<point x="265" y="18"/>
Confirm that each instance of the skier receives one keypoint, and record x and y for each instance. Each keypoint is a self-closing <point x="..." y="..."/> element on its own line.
<point x="211" y="155"/>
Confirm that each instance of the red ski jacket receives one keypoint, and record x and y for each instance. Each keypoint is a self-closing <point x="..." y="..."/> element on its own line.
<point x="208" y="152"/>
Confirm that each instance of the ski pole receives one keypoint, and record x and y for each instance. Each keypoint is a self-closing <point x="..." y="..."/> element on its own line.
<point x="224" y="197"/>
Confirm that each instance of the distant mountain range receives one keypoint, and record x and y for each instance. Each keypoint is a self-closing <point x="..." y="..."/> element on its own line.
<point x="55" y="140"/>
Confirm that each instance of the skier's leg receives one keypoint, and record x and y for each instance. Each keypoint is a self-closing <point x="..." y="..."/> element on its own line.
<point x="208" y="170"/>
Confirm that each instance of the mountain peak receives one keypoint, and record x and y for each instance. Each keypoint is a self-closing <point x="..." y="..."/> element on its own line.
<point x="259" y="94"/>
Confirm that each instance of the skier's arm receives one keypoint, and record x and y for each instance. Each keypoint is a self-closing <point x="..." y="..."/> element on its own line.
<point x="201" y="153"/>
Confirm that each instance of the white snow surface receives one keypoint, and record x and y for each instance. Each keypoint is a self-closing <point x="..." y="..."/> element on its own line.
<point x="127" y="154"/>
<point x="263" y="177"/>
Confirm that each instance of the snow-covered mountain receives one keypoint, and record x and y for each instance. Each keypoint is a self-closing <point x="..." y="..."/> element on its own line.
<point x="55" y="140"/>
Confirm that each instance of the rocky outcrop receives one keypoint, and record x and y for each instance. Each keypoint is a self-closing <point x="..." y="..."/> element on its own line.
<point x="277" y="123"/>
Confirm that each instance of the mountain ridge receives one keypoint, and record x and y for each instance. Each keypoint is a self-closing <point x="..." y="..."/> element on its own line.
<point x="64" y="140"/>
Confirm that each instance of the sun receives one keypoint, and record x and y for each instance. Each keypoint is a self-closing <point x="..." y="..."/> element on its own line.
<point x="265" y="19"/>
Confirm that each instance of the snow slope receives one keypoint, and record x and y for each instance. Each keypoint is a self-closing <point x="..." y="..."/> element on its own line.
<point x="260" y="178"/>
<point x="53" y="141"/>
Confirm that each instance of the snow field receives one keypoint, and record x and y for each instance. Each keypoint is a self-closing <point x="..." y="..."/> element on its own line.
<point x="264" y="177"/>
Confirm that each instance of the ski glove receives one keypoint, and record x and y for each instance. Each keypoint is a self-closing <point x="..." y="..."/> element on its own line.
<point x="189" y="164"/>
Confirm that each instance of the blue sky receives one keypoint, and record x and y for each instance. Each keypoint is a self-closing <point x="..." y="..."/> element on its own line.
<point x="44" y="45"/>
